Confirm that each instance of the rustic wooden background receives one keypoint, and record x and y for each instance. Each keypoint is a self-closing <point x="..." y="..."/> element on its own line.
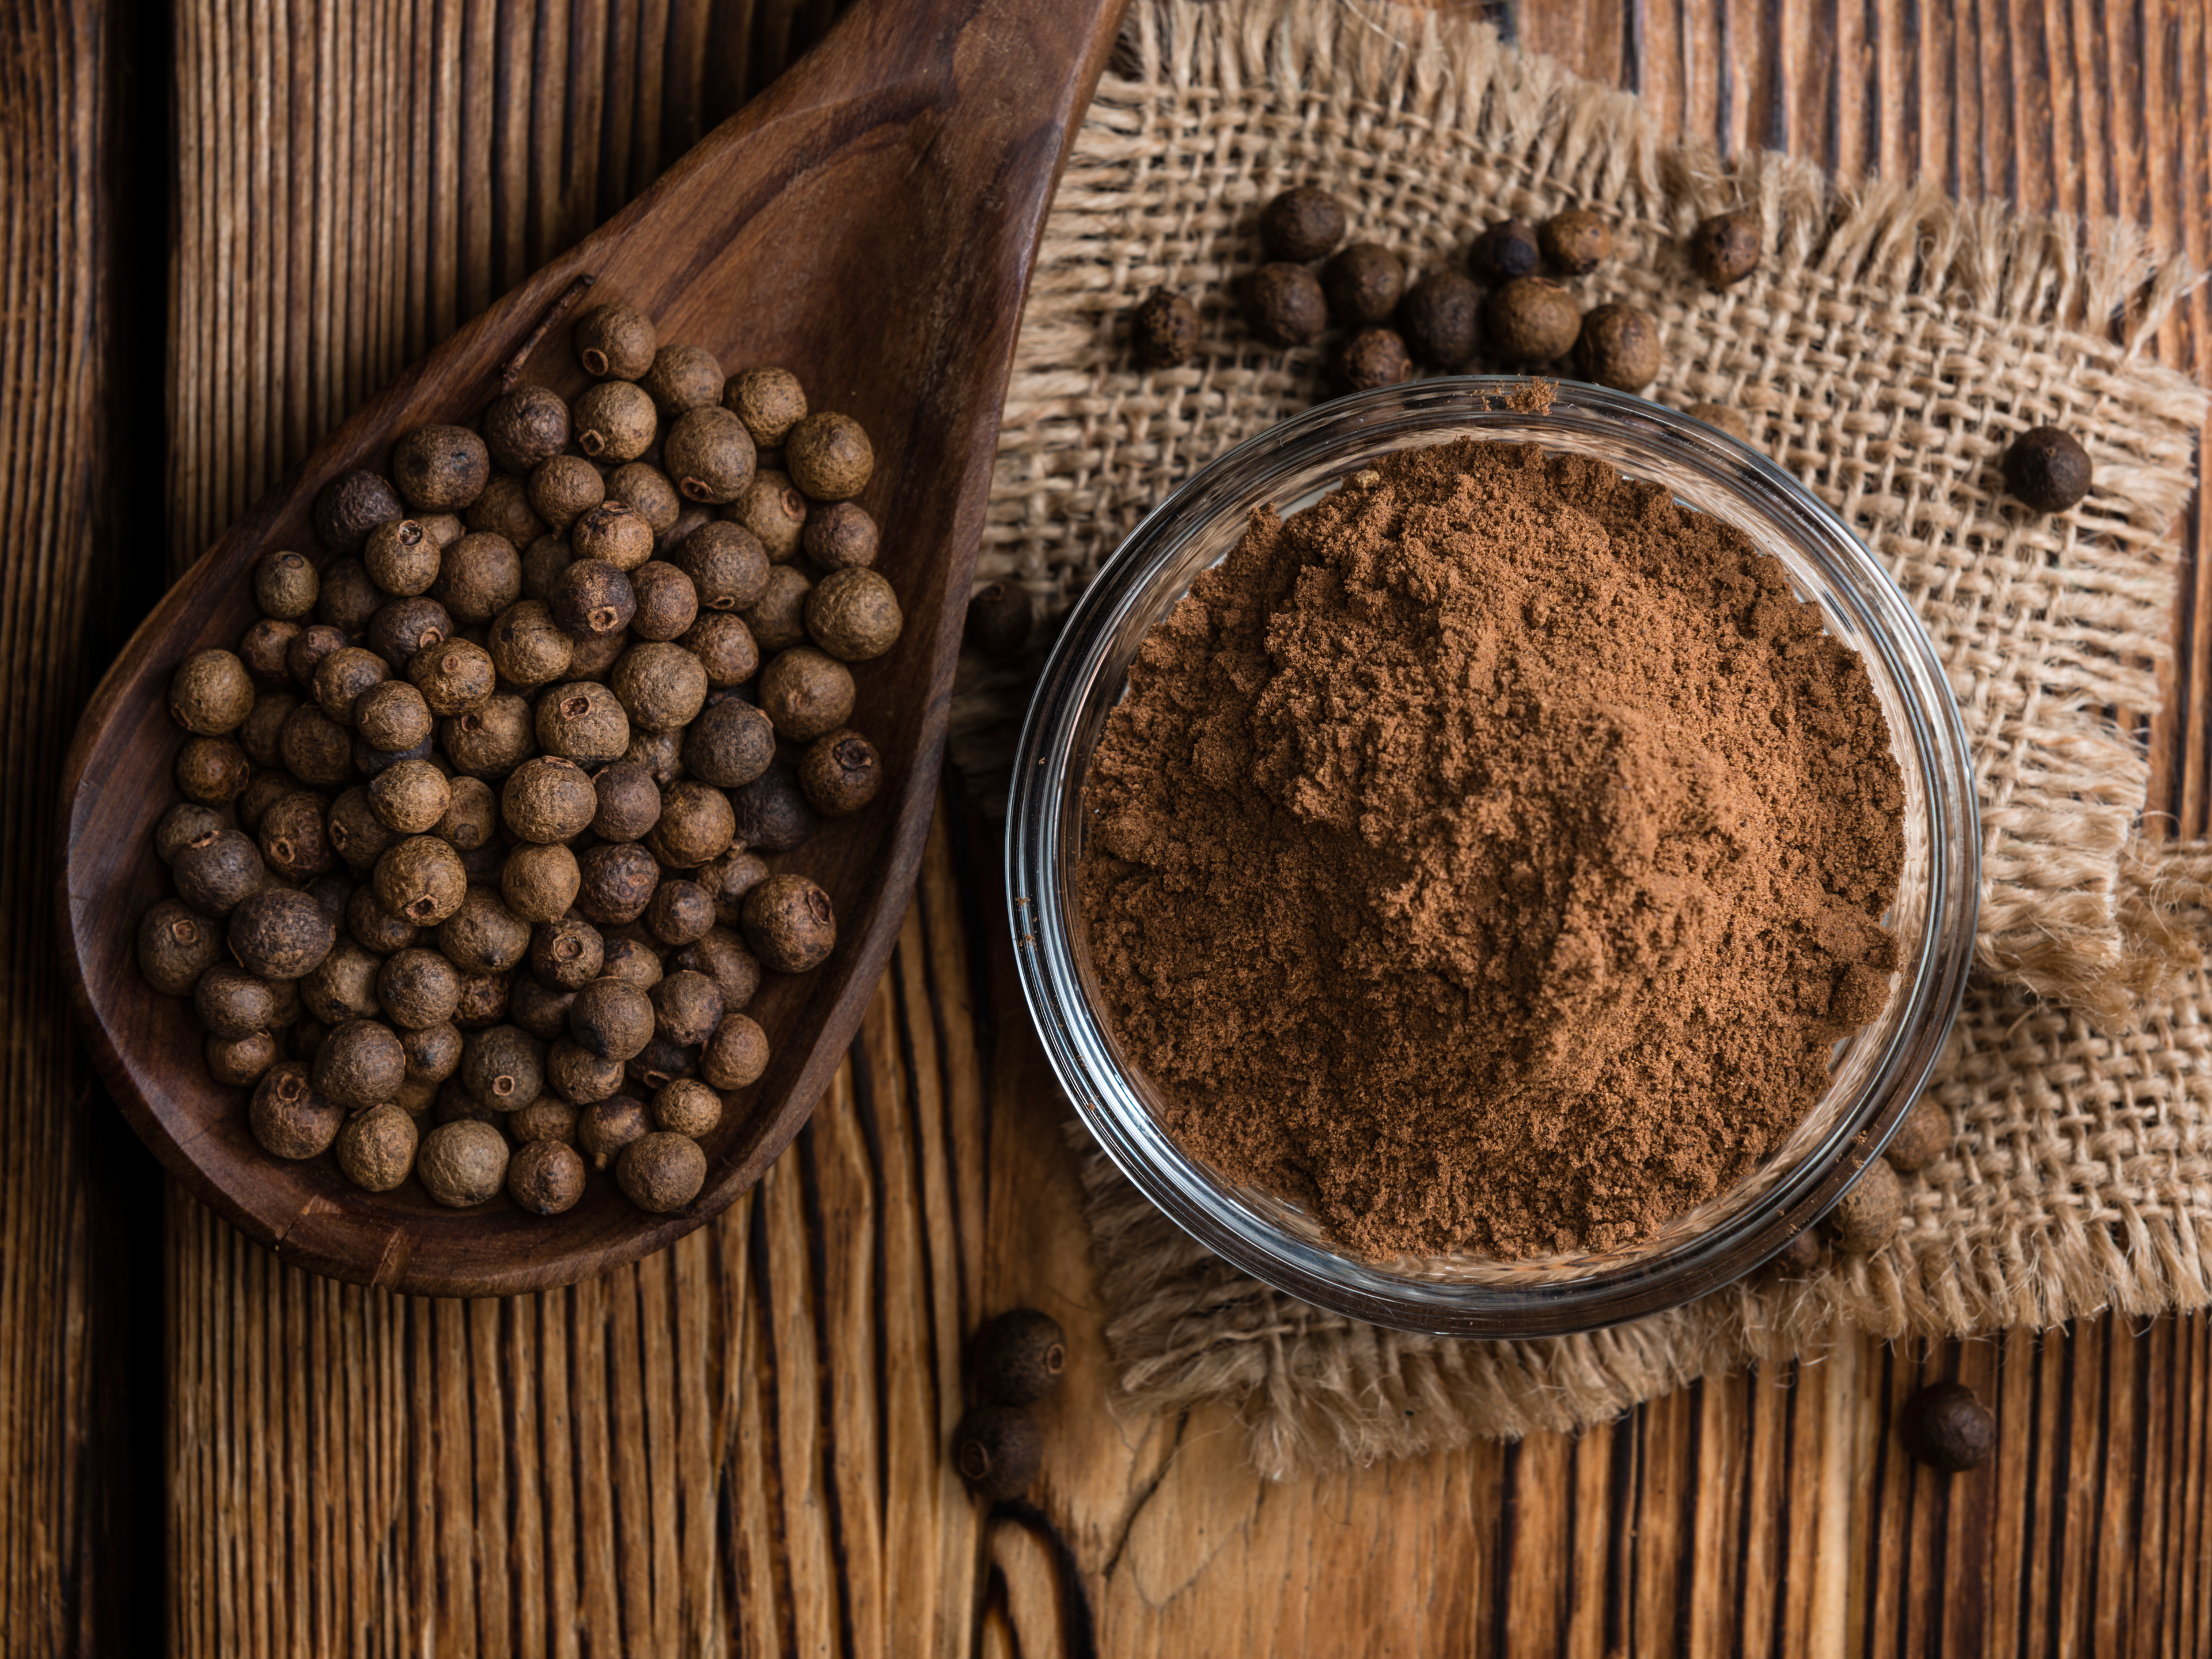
<point x="220" y="226"/>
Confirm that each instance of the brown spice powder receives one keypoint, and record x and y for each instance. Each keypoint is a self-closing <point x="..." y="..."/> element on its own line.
<point x="1488" y="856"/>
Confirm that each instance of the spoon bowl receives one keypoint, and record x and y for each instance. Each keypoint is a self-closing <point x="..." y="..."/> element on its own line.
<point x="870" y="223"/>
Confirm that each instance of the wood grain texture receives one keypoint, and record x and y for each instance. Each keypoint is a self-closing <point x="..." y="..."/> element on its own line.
<point x="538" y="1479"/>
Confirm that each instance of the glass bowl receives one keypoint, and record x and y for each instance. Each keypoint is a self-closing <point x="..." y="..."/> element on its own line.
<point x="1875" y="1075"/>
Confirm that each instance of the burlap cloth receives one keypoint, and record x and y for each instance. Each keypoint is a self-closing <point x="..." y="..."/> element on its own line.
<point x="1890" y="344"/>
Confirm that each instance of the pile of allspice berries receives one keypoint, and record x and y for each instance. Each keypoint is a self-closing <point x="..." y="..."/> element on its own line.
<point x="472" y="867"/>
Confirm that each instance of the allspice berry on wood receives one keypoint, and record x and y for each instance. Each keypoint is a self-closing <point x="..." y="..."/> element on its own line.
<point x="545" y="1177"/>
<point x="1166" y="330"/>
<point x="288" y="1117"/>
<point x="829" y="457"/>
<point x="854" y="614"/>
<point x="1302" y="225"/>
<point x="351" y="505"/>
<point x="440" y="469"/>
<point x="769" y="401"/>
<point x="2047" y="469"/>
<point x="789" y="923"/>
<point x="1017" y="1357"/>
<point x="1947" y="1428"/>
<point x="462" y="1163"/>
<point x="662" y="1171"/>
<point x="376" y="1149"/>
<point x="210" y="693"/>
<point x="1724" y="249"/>
<point x="999" y="1451"/>
<point x="615" y="342"/>
<point x="840" y="772"/>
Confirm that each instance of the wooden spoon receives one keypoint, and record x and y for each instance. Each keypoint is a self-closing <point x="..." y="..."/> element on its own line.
<point x="869" y="222"/>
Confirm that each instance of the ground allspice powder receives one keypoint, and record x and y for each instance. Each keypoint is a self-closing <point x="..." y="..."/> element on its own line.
<point x="1488" y="856"/>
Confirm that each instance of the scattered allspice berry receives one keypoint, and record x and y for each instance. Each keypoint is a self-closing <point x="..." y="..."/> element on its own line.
<point x="525" y="426"/>
<point x="1302" y="225"/>
<point x="1532" y="321"/>
<point x="999" y="1451"/>
<point x="1017" y="1357"/>
<point x="2047" y="469"/>
<point x="1363" y="283"/>
<point x="683" y="378"/>
<point x="1001" y="616"/>
<point x="1504" y="252"/>
<point x="605" y="1127"/>
<point x="1440" y="318"/>
<point x="615" y="342"/>
<point x="1868" y="1216"/>
<point x="1373" y="357"/>
<point x="1284" y="305"/>
<point x="1921" y="1136"/>
<point x="662" y="1171"/>
<point x="1619" y="347"/>
<point x="1166" y="330"/>
<point x="1724" y="249"/>
<point x="1575" y="243"/>
<point x="1947" y="1428"/>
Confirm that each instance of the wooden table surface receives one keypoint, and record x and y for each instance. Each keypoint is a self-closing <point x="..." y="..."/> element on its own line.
<point x="220" y="227"/>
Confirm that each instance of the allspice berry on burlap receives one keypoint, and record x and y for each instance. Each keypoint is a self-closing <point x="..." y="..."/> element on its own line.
<point x="709" y="454"/>
<point x="612" y="531"/>
<point x="440" y="469"/>
<point x="376" y="1151"/>
<point x="618" y="883"/>
<point x="1575" y="243"/>
<point x="212" y="770"/>
<point x="563" y="488"/>
<point x="615" y="342"/>
<point x="828" y="456"/>
<point x="1923" y="1136"/>
<point x="210" y="693"/>
<point x="1802" y="1255"/>
<point x="777" y="620"/>
<point x="1729" y="420"/>
<point x="665" y="602"/>
<point x="175" y="947"/>
<point x="1017" y="1357"/>
<point x="462" y="1163"/>
<point x="1619" y="347"/>
<point x="525" y="426"/>
<point x="288" y="1117"/>
<point x="605" y="1127"/>
<point x="280" y="933"/>
<point x="351" y="505"/>
<point x="1532" y="321"/>
<point x="1725" y="248"/>
<point x="683" y="378"/>
<point x="1440" y="318"/>
<point x="737" y="1055"/>
<point x="545" y="1177"/>
<point x="772" y="813"/>
<point x="1504" y="252"/>
<point x="1166" y="329"/>
<point x="854" y="614"/>
<point x="615" y="422"/>
<point x="1302" y="225"/>
<point x="1001" y="616"/>
<point x="1945" y="1426"/>
<point x="839" y="536"/>
<point x="790" y="924"/>
<point x="1373" y="357"/>
<point x="769" y="401"/>
<point x="2047" y="469"/>
<point x="1363" y="283"/>
<point x="999" y="1451"/>
<point x="590" y="599"/>
<point x="840" y="772"/>
<point x="661" y="1172"/>
<point x="687" y="1106"/>
<point x="1284" y="305"/>
<point x="583" y="721"/>
<point x="805" y="693"/>
<point x="771" y="507"/>
<point x="360" y="1065"/>
<point x="1868" y="1215"/>
<point x="218" y="872"/>
<point x="419" y="880"/>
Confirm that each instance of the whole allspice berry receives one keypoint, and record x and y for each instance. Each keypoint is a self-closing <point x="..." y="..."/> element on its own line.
<point x="661" y="1172"/>
<point x="314" y="748"/>
<point x="483" y="936"/>
<point x="409" y="797"/>
<point x="343" y="676"/>
<point x="805" y="693"/>
<point x="360" y="1065"/>
<point x="539" y="882"/>
<point x="1923" y="1136"/>
<point x="1166" y="329"/>
<point x="1532" y="321"/>
<point x="183" y="824"/>
<point x="999" y="1451"/>
<point x="687" y="1106"/>
<point x="2047" y="469"/>
<point x="1504" y="252"/>
<point x="565" y="953"/>
<point x="1001" y="616"/>
<point x="725" y="649"/>
<point x="854" y="615"/>
<point x="288" y="1117"/>
<point x="771" y="813"/>
<point x="239" y="1062"/>
<point x="212" y="770"/>
<point x="615" y="342"/>
<point x="1575" y="243"/>
<point x="491" y="739"/>
<point x="1363" y="283"/>
<point x="840" y="773"/>
<point x="614" y="531"/>
<point x="1868" y="1216"/>
<point x="1947" y="1428"/>
<point x="769" y="401"/>
<point x="210" y="693"/>
<point x="1302" y="225"/>
<point x="503" y="1066"/>
<point x="729" y="744"/>
<point x="295" y="835"/>
<point x="728" y="567"/>
<point x="392" y="717"/>
<point x="280" y="933"/>
<point x="615" y="422"/>
<point x="628" y="801"/>
<point x="419" y="880"/>
<point x="709" y="454"/>
<point x="771" y="507"/>
<point x="342" y="986"/>
<point x="349" y="599"/>
<point x="376" y="1149"/>
<point x="583" y="722"/>
<point x="1284" y="305"/>
<point x="403" y="629"/>
<point x="683" y="378"/>
<point x="592" y="599"/>
<point x="611" y="1019"/>
<point x="549" y="1117"/>
<point x="696" y="823"/>
<point x="175" y="947"/>
<point x="231" y="1003"/>
<point x="563" y="488"/>
<point x="462" y="1163"/>
<point x="504" y="509"/>
<point x="1373" y="357"/>
<point x="605" y="1127"/>
<point x="524" y="427"/>
<point x="649" y="493"/>
<point x="1017" y="1357"/>
<point x="839" y="535"/>
<point x="418" y="988"/>
<point x="548" y="800"/>
<point x="737" y="1055"/>
<point x="681" y="911"/>
<point x="616" y="883"/>
<point x="351" y="505"/>
<point x="1619" y="347"/>
<point x="777" y="619"/>
<point x="440" y="469"/>
<point x="527" y="647"/>
<point x="790" y="924"/>
<point x="454" y="679"/>
<point x="687" y="1007"/>
<point x="1724" y="249"/>
<point x="1728" y="419"/>
<point x="286" y="587"/>
<point x="829" y="457"/>
<point x="665" y="603"/>
<point x="480" y="575"/>
<point x="546" y="1177"/>
<point x="401" y="558"/>
<point x="1440" y="318"/>
<point x="265" y="649"/>
<point x="661" y="686"/>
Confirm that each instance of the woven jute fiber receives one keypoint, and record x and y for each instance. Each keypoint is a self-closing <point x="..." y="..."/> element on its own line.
<point x="1891" y="345"/>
